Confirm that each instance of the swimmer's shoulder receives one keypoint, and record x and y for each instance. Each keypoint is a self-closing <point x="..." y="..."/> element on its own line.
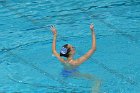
<point x="78" y="61"/>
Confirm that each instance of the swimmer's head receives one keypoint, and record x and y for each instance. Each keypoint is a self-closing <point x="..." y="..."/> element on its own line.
<point x="67" y="50"/>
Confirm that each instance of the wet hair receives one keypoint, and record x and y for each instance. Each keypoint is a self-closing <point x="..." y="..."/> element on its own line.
<point x="65" y="51"/>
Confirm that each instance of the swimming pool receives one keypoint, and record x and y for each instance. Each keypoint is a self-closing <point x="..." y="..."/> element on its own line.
<point x="26" y="61"/>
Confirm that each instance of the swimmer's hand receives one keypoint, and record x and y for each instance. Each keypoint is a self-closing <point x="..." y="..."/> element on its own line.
<point x="53" y="29"/>
<point x="91" y="27"/>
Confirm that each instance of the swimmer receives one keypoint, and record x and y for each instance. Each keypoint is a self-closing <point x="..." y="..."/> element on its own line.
<point x="70" y="64"/>
<point x="68" y="50"/>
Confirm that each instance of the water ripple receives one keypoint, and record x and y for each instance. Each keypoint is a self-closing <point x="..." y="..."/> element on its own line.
<point x="48" y="41"/>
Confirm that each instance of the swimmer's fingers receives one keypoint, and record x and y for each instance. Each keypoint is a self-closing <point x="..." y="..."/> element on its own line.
<point x="52" y="26"/>
<point x="91" y="26"/>
<point x="53" y="29"/>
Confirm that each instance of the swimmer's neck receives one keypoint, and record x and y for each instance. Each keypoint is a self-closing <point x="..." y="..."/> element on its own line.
<point x="70" y="58"/>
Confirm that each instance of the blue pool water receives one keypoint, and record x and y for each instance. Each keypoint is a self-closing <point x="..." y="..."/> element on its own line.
<point x="26" y="61"/>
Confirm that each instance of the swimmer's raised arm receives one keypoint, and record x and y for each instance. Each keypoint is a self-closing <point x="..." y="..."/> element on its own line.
<point x="54" y="31"/>
<point x="90" y="52"/>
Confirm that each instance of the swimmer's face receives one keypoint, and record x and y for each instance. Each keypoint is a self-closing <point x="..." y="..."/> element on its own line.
<point x="72" y="49"/>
